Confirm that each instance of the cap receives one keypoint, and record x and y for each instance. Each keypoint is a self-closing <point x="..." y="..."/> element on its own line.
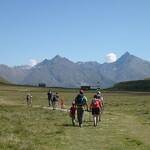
<point x="98" y="92"/>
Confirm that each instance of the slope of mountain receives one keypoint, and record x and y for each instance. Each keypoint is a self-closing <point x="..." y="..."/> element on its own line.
<point x="14" y="74"/>
<point x="136" y="85"/>
<point x="23" y="67"/>
<point x="55" y="72"/>
<point x="128" y="67"/>
<point x="60" y="71"/>
<point x="3" y="81"/>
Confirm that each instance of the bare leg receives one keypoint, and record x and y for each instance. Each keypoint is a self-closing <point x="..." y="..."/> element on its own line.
<point x="73" y="120"/>
<point x="94" y="119"/>
<point x="53" y="104"/>
<point x="97" y="119"/>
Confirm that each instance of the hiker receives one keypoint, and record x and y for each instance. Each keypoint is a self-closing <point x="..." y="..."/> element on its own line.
<point x="55" y="100"/>
<point x="95" y="106"/>
<point x="50" y="96"/>
<point x="29" y="99"/>
<point x="62" y="105"/>
<point x="99" y="96"/>
<point x="73" y="112"/>
<point x="80" y="102"/>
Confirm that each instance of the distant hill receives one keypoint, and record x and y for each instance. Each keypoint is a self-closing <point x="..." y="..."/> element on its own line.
<point x="127" y="67"/>
<point x="147" y="79"/>
<point x="62" y="72"/>
<point x="3" y="81"/>
<point x="139" y="85"/>
<point x="13" y="74"/>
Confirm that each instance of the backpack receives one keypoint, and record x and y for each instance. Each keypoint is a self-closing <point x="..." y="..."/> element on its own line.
<point x="28" y="97"/>
<point x="95" y="103"/>
<point x="80" y="100"/>
<point x="55" y="98"/>
<point x="50" y="95"/>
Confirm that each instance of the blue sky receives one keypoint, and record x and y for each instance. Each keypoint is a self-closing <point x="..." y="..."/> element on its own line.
<point x="81" y="30"/>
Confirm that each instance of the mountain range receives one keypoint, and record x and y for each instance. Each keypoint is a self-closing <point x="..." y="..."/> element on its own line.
<point x="62" y="72"/>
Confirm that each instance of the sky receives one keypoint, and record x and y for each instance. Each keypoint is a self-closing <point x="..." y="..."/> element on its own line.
<point x="80" y="30"/>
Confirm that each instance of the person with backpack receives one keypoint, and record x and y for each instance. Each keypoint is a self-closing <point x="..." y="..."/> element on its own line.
<point x="81" y="102"/>
<point x="55" y="100"/>
<point x="29" y="99"/>
<point x="99" y="96"/>
<point x="50" y="96"/>
<point x="72" y="112"/>
<point x="96" y="105"/>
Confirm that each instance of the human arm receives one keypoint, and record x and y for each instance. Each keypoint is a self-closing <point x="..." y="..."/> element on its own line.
<point x="86" y="102"/>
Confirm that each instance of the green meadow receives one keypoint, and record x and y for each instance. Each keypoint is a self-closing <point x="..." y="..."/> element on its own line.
<point x="125" y="122"/>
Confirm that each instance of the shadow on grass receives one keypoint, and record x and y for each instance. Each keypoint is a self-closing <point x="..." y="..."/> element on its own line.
<point x="66" y="125"/>
<point x="76" y="125"/>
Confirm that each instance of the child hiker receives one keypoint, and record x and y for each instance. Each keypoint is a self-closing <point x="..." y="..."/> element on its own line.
<point x="62" y="105"/>
<point x="73" y="112"/>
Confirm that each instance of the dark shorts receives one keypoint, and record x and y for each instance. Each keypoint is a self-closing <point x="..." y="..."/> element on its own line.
<point x="95" y="111"/>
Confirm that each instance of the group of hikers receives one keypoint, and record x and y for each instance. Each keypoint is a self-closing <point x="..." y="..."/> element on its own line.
<point x="53" y="99"/>
<point x="79" y="106"/>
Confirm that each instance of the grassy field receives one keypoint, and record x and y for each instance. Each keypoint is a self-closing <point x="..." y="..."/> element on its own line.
<point x="125" y="122"/>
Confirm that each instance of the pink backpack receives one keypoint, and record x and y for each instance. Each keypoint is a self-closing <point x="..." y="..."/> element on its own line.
<point x="95" y="103"/>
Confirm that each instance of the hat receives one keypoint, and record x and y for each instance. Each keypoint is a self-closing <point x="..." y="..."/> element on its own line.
<point x="98" y="92"/>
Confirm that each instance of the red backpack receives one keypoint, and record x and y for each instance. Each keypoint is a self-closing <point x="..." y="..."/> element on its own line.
<point x="95" y="103"/>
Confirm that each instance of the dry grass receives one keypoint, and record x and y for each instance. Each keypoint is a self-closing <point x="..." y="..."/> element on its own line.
<point x="125" y="122"/>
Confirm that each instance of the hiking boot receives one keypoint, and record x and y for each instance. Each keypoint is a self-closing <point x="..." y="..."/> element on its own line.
<point x="73" y="123"/>
<point x="80" y="125"/>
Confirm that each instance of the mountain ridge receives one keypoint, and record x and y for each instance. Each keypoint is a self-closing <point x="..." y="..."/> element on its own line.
<point x="60" y="71"/>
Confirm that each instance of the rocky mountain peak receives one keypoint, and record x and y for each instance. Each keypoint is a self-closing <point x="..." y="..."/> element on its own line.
<point x="60" y="71"/>
<point x="124" y="58"/>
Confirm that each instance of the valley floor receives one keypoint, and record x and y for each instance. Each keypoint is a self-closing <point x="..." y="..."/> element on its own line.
<point x="125" y="122"/>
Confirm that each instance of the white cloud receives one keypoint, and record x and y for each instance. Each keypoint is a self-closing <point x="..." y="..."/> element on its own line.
<point x="111" y="57"/>
<point x="32" y="62"/>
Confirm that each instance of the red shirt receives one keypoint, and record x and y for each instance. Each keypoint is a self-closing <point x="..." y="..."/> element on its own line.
<point x="72" y="110"/>
<point x="96" y="103"/>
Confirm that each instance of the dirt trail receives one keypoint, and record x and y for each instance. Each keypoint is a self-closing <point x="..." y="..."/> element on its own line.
<point x="50" y="108"/>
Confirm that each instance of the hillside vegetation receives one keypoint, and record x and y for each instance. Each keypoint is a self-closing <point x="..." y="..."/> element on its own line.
<point x="147" y="79"/>
<point x="139" y="85"/>
<point x="3" y="81"/>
